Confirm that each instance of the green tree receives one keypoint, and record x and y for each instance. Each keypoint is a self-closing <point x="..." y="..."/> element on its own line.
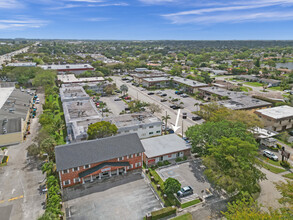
<point x="48" y="146"/>
<point x="166" y="118"/>
<point x="286" y="190"/>
<point x="101" y="129"/>
<point x="33" y="150"/>
<point x="45" y="79"/>
<point x="209" y="133"/>
<point x="171" y="186"/>
<point x="124" y="88"/>
<point x="232" y="165"/>
<point x="155" y="108"/>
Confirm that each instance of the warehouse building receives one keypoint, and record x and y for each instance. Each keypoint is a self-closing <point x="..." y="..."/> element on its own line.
<point x="69" y="68"/>
<point x="98" y="159"/>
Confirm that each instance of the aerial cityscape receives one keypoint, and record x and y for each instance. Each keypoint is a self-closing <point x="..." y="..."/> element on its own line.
<point x="146" y="109"/>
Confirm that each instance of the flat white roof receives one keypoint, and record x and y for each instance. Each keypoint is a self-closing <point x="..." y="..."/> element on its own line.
<point x="70" y="78"/>
<point x="162" y="145"/>
<point x="66" y="66"/>
<point x="279" y="112"/>
<point x="4" y="94"/>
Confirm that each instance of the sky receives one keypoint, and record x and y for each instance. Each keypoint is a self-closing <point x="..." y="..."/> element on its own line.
<point x="147" y="19"/>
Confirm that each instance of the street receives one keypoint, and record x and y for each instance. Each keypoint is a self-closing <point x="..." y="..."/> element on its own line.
<point x="136" y="93"/>
<point x="19" y="194"/>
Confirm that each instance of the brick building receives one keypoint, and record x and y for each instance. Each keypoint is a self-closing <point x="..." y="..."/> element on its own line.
<point x="96" y="159"/>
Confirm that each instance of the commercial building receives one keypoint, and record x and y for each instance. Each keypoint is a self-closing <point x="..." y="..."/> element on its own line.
<point x="97" y="159"/>
<point x="72" y="68"/>
<point x="277" y="118"/>
<point x="138" y="77"/>
<point x="157" y="82"/>
<point x="249" y="78"/>
<point x="231" y="99"/>
<point x="14" y="115"/>
<point x="166" y="147"/>
<point x="187" y="85"/>
<point x="70" y="78"/>
<point x="77" y="106"/>
<point x="144" y="124"/>
<point x="22" y="64"/>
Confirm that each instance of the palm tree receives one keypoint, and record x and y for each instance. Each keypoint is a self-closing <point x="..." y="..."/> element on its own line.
<point x="166" y="118"/>
<point x="124" y="88"/>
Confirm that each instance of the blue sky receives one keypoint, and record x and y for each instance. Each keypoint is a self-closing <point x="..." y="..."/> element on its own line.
<point x="147" y="19"/>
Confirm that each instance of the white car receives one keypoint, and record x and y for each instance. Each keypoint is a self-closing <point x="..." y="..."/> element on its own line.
<point x="270" y="155"/>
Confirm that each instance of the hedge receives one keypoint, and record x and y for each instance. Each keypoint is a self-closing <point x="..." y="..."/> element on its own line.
<point x="186" y="216"/>
<point x="163" y="213"/>
<point x="190" y="203"/>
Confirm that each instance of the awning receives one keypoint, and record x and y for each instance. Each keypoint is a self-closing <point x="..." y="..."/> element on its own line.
<point x="100" y="166"/>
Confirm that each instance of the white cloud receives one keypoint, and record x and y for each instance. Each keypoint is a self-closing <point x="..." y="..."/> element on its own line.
<point x="262" y="10"/>
<point x="12" y="24"/>
<point x="97" y="19"/>
<point x="10" y="4"/>
<point x="87" y="1"/>
<point x="154" y="2"/>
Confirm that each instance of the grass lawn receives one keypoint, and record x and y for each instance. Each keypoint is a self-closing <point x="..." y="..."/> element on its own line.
<point x="186" y="216"/>
<point x="276" y="88"/>
<point x="255" y="84"/>
<point x="289" y="175"/>
<point x="190" y="203"/>
<point x="271" y="168"/>
<point x="245" y="89"/>
<point x="276" y="163"/>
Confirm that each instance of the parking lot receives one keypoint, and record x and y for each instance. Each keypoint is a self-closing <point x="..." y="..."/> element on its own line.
<point x="190" y="174"/>
<point x="115" y="107"/>
<point x="127" y="198"/>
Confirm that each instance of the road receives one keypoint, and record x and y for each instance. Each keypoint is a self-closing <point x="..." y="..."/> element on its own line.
<point x="8" y="56"/>
<point x="19" y="194"/>
<point x="136" y="93"/>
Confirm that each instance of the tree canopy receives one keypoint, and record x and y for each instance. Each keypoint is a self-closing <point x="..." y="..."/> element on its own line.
<point x="101" y="129"/>
<point x="232" y="165"/>
<point x="171" y="186"/>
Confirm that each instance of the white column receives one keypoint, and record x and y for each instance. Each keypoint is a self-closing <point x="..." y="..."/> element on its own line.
<point x="117" y="171"/>
<point x="82" y="180"/>
<point x="110" y="173"/>
<point x="125" y="170"/>
<point x="92" y="178"/>
<point x="100" y="175"/>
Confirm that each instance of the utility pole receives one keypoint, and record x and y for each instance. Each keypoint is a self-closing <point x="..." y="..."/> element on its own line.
<point x="182" y="128"/>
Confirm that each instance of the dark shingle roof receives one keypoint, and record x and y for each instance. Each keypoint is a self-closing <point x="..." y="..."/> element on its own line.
<point x="94" y="151"/>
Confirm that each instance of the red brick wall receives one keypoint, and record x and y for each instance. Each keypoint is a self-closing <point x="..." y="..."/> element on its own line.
<point x="74" y="174"/>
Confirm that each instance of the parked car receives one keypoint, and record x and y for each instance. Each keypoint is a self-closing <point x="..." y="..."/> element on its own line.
<point x="151" y="93"/>
<point x="37" y="101"/>
<point x="170" y="131"/>
<point x="117" y="99"/>
<point x="127" y="98"/>
<point x="178" y="92"/>
<point x="159" y="92"/>
<point x="164" y="94"/>
<point x="186" y="139"/>
<point x="177" y="107"/>
<point x="196" y="118"/>
<point x="185" y="191"/>
<point x="184" y="115"/>
<point x="184" y="95"/>
<point x="270" y="155"/>
<point x="164" y="100"/>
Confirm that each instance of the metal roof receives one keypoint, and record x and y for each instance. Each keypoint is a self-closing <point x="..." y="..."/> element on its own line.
<point x="94" y="151"/>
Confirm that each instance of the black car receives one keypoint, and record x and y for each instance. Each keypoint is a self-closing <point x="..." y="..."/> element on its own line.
<point x="164" y="94"/>
<point x="163" y="100"/>
<point x="184" y="115"/>
<point x="196" y="118"/>
<point x="173" y="106"/>
<point x="151" y="93"/>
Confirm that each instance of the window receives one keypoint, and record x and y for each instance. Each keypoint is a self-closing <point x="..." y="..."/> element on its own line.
<point x="161" y="158"/>
<point x="158" y="132"/>
<point x="127" y="157"/>
<point x="126" y="131"/>
<point x="75" y="169"/>
<point x="120" y="158"/>
<point x="138" y="154"/>
<point x="135" y="164"/>
<point x="66" y="182"/>
<point x="131" y="156"/>
<point x="76" y="180"/>
<point x="65" y="171"/>
<point x="131" y="166"/>
<point x="135" y="129"/>
<point x="87" y="166"/>
<point x="151" y="126"/>
<point x="151" y="132"/>
<point x="139" y="164"/>
<point x="143" y="134"/>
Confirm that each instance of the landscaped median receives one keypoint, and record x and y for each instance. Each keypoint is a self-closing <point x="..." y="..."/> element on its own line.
<point x="162" y="213"/>
<point x="289" y="175"/>
<point x="186" y="216"/>
<point x="272" y="168"/>
<point x="190" y="203"/>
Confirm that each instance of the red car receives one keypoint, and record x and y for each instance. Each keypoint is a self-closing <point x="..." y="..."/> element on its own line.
<point x="127" y="98"/>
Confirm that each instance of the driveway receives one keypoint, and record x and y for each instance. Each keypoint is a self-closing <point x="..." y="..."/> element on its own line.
<point x="191" y="174"/>
<point x="128" y="198"/>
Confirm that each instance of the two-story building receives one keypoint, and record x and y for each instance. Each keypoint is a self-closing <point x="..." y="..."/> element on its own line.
<point x="92" y="160"/>
<point x="277" y="118"/>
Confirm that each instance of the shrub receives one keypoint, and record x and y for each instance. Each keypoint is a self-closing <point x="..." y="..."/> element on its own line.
<point x="160" y="163"/>
<point x="285" y="164"/>
<point x="184" y="157"/>
<point x="166" y="162"/>
<point x="178" y="159"/>
<point x="163" y="213"/>
<point x="279" y="146"/>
